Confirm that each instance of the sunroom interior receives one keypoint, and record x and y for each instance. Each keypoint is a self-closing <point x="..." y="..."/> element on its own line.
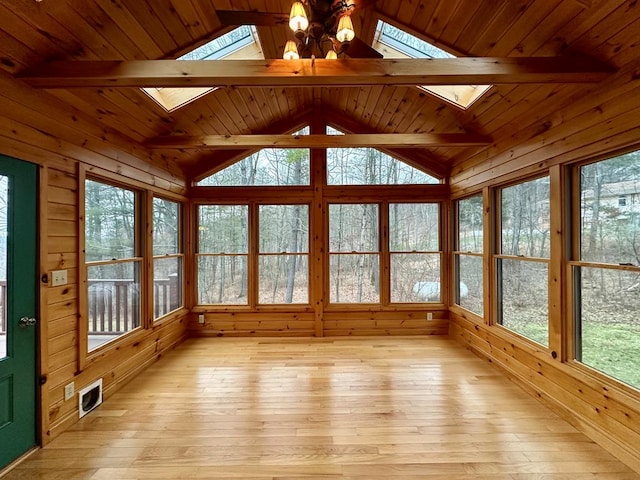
<point x="468" y="170"/>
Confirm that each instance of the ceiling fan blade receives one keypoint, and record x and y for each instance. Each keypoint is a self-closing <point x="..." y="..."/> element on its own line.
<point x="359" y="49"/>
<point x="360" y="4"/>
<point x="262" y="19"/>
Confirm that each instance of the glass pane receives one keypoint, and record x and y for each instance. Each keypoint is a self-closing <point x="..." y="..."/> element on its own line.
<point x="415" y="277"/>
<point x="109" y="222"/>
<point x="353" y="228"/>
<point x="284" y="228"/>
<point x="368" y="166"/>
<point x="470" y="233"/>
<point x="609" y="306"/>
<point x="166" y="227"/>
<point x="414" y="227"/>
<point x="167" y="285"/>
<point x="4" y="234"/>
<point x="610" y="210"/>
<point x="283" y="279"/>
<point x="525" y="219"/>
<point x="222" y="46"/>
<point x="524" y="298"/>
<point x="223" y="229"/>
<point x="355" y="278"/>
<point x="222" y="280"/>
<point x="470" y="294"/>
<point x="271" y="166"/>
<point x="114" y="301"/>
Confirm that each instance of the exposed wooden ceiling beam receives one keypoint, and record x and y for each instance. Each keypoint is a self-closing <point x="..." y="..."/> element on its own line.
<point x="319" y="72"/>
<point x="376" y="140"/>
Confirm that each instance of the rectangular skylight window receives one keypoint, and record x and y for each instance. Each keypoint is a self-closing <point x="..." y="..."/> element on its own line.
<point x="240" y="43"/>
<point x="413" y="47"/>
<point x="223" y="46"/>
<point x="393" y="42"/>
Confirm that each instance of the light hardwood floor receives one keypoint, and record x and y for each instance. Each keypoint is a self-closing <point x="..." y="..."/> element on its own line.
<point x="354" y="408"/>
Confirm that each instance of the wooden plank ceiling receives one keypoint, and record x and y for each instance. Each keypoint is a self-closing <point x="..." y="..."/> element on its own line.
<point x="35" y="33"/>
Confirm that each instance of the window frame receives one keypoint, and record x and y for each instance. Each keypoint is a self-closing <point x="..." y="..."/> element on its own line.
<point x="575" y="265"/>
<point x="140" y="257"/>
<point x="384" y="252"/>
<point x="498" y="257"/>
<point x="458" y="253"/>
<point x="180" y="255"/>
<point x="252" y="256"/>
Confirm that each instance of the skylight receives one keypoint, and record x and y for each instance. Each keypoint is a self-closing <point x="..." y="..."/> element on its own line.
<point x="240" y="43"/>
<point x="393" y="42"/>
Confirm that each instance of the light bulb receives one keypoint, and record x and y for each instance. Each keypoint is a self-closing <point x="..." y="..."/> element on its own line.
<point x="345" y="31"/>
<point x="298" y="17"/>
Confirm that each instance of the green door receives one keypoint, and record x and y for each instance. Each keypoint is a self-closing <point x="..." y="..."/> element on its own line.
<point x="17" y="308"/>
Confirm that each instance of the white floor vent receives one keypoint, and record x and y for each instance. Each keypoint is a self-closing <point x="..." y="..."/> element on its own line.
<point x="90" y="397"/>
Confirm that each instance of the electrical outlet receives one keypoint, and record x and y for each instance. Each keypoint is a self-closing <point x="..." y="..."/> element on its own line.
<point x="201" y="318"/>
<point x="429" y="316"/>
<point x="69" y="391"/>
<point x="58" y="278"/>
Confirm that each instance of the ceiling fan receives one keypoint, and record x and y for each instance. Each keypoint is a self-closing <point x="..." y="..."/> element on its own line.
<point x="320" y="36"/>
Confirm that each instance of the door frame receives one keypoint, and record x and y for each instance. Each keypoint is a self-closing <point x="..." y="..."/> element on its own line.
<point x="38" y="357"/>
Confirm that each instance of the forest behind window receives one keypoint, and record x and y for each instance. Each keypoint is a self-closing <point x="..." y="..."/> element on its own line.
<point x="167" y="257"/>
<point x="523" y="263"/>
<point x="266" y="167"/>
<point x="113" y="262"/>
<point x="368" y="166"/>
<point x="607" y="275"/>
<point x="468" y="255"/>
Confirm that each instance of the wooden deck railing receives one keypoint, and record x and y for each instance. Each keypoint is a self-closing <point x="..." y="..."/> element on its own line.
<point x="114" y="304"/>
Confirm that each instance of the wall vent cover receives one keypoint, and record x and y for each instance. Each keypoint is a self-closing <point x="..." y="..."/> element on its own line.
<point x="90" y="397"/>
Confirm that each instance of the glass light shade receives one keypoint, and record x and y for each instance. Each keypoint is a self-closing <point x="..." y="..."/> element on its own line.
<point x="331" y="55"/>
<point x="298" y="17"/>
<point x="345" y="31"/>
<point x="290" y="51"/>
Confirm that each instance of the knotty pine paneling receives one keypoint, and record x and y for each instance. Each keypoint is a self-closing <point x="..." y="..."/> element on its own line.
<point x="356" y="323"/>
<point x="334" y="323"/>
<point x="36" y="127"/>
<point x="603" y="411"/>
<point x="273" y="323"/>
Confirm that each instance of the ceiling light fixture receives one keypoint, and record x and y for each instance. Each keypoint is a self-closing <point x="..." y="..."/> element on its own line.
<point x="322" y="28"/>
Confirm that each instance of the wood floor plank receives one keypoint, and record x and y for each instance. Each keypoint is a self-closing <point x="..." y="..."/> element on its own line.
<point x="338" y="408"/>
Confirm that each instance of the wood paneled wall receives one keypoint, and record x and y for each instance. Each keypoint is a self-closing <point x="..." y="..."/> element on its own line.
<point x="590" y="127"/>
<point x="36" y="127"/>
<point x="330" y="323"/>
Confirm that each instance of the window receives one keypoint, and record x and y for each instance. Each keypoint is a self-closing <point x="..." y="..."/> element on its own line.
<point x="239" y="43"/>
<point x="228" y="265"/>
<point x="113" y="261"/>
<point x="222" y="255"/>
<point x="414" y="249"/>
<point x="523" y="262"/>
<point x="284" y="254"/>
<point x="368" y="166"/>
<point x="167" y="257"/>
<point x="393" y="42"/>
<point x="468" y="252"/>
<point x="267" y="167"/>
<point x="354" y="253"/>
<point x="607" y="270"/>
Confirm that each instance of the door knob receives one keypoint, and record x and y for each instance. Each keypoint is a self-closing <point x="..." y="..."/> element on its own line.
<point x="27" y="322"/>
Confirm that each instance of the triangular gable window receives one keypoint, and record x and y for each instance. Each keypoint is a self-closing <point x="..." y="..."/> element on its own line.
<point x="240" y="43"/>
<point x="266" y="167"/>
<point x="368" y="166"/>
<point x="393" y="42"/>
